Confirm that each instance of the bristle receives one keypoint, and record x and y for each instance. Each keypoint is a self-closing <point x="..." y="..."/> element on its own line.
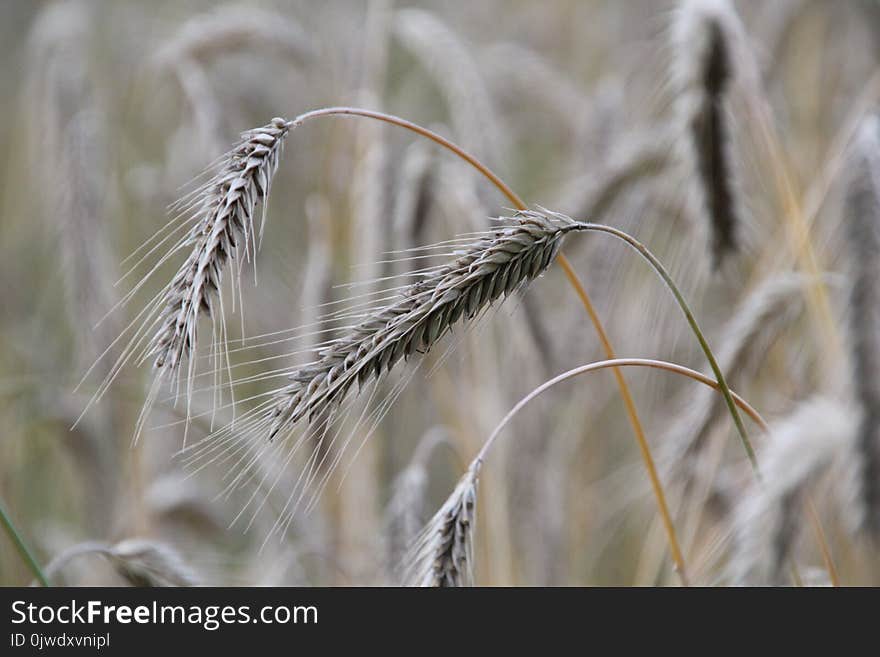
<point x="500" y="263"/>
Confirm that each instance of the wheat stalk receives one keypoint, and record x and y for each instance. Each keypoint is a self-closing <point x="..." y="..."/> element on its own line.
<point x="22" y="547"/>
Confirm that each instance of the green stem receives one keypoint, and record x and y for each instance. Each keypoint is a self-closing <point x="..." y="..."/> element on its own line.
<point x="21" y="546"/>
<point x="719" y="375"/>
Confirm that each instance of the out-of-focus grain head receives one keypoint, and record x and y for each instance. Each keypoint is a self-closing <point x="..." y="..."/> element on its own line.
<point x="704" y="67"/>
<point x="812" y="441"/>
<point x="496" y="264"/>
<point x="863" y="231"/>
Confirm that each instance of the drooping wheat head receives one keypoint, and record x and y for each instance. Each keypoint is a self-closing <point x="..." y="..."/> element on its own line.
<point x="224" y="231"/>
<point x="217" y="223"/>
<point x="503" y="261"/>
<point x="404" y="324"/>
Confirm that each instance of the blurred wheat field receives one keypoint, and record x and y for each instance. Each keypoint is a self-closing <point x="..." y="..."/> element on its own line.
<point x="286" y="363"/>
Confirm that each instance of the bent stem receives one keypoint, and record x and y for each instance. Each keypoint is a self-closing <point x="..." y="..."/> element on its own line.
<point x="617" y="363"/>
<point x="704" y="345"/>
<point x="721" y="385"/>
<point x="572" y="278"/>
<point x="675" y="368"/>
<point x="23" y="550"/>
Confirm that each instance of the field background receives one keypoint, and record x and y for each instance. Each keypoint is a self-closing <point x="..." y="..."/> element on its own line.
<point x="107" y="108"/>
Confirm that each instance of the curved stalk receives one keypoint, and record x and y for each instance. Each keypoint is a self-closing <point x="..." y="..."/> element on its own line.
<point x="616" y="363"/>
<point x="675" y="368"/>
<point x="420" y="130"/>
<point x="704" y="345"/>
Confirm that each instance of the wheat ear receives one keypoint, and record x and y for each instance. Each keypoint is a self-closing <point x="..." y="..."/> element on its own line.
<point x="230" y="28"/>
<point x="224" y="230"/>
<point x="503" y="261"/>
<point x="150" y="563"/>
<point x="450" y="62"/>
<point x="226" y="29"/>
